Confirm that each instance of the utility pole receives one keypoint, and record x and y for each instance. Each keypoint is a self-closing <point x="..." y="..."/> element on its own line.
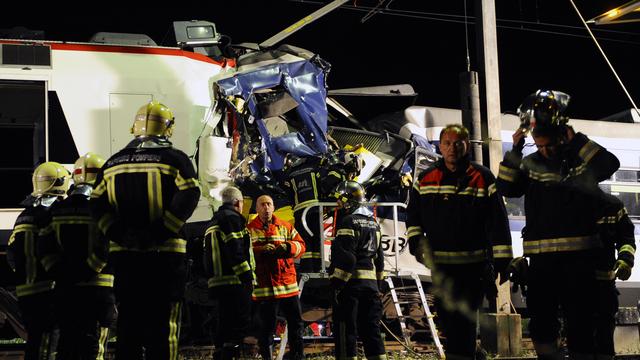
<point x="487" y="43"/>
<point x="505" y="336"/>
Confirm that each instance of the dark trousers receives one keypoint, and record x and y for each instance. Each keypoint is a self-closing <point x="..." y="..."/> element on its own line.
<point x="149" y="288"/>
<point x="39" y="320"/>
<point x="148" y="330"/>
<point x="357" y="312"/>
<point x="562" y="281"/>
<point x="85" y="315"/>
<point x="605" y="318"/>
<point x="234" y="315"/>
<point x="310" y="261"/>
<point x="459" y="292"/>
<point x="267" y="311"/>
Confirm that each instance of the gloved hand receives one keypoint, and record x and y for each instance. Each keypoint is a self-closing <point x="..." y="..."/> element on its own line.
<point x="489" y="282"/>
<point x="246" y="279"/>
<point x="383" y="286"/>
<point x="419" y="247"/>
<point x="517" y="270"/>
<point x="268" y="249"/>
<point x="518" y="140"/>
<point x="501" y="265"/>
<point x="622" y="270"/>
<point x="282" y="251"/>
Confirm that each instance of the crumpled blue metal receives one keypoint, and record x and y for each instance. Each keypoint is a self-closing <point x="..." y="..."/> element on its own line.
<point x="305" y="82"/>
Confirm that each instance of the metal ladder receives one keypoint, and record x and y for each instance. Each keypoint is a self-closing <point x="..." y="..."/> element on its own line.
<point x="423" y="300"/>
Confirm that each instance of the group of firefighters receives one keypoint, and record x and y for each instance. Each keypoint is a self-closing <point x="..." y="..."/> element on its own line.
<point x="115" y="237"/>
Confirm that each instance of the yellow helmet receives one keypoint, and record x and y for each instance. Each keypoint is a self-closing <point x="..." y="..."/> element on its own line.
<point x="153" y="119"/>
<point x="50" y="178"/>
<point x="86" y="168"/>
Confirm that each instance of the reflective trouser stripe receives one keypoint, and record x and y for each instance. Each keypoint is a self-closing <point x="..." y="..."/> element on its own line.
<point x="102" y="343"/>
<point x="174" y="329"/>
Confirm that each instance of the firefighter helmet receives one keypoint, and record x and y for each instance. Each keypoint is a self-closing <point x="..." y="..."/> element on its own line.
<point x="353" y="163"/>
<point x="543" y="108"/>
<point x="153" y="119"/>
<point x="349" y="194"/>
<point x="86" y="168"/>
<point x="50" y="178"/>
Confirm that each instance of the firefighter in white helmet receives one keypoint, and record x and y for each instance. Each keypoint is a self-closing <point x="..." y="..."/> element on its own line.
<point x="143" y="195"/>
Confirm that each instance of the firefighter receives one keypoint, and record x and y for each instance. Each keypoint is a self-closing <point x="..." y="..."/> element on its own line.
<point x="35" y="286"/>
<point x="75" y="253"/>
<point x="458" y="227"/>
<point x="357" y="266"/>
<point x="228" y="263"/>
<point x="561" y="236"/>
<point x="617" y="237"/>
<point x="143" y="195"/>
<point x="310" y="180"/>
<point x="275" y="244"/>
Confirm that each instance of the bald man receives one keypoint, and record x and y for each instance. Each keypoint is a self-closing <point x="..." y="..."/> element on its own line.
<point x="275" y="245"/>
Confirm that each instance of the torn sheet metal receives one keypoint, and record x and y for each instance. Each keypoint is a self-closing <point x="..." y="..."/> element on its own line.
<point x="278" y="83"/>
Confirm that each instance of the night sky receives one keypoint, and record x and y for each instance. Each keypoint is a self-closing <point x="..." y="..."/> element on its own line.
<point x="541" y="43"/>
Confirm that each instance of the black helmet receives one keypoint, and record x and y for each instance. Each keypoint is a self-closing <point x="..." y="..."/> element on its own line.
<point x="350" y="194"/>
<point x="543" y="108"/>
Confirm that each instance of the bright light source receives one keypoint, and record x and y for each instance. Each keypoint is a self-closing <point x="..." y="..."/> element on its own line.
<point x="613" y="13"/>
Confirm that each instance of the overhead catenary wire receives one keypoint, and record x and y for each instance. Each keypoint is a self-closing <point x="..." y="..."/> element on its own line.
<point x="466" y="36"/>
<point x="460" y="19"/>
<point x="624" y="88"/>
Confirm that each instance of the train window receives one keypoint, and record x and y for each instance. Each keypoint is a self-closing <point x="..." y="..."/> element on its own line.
<point x="22" y="130"/>
<point x="628" y="193"/>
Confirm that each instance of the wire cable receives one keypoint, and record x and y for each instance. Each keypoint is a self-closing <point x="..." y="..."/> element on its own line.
<point x="466" y="36"/>
<point x="605" y="57"/>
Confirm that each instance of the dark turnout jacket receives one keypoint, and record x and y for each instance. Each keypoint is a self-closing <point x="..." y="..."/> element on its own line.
<point x="461" y="214"/>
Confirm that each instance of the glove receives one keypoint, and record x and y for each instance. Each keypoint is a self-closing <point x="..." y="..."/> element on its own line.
<point x="622" y="270"/>
<point x="517" y="270"/>
<point x="419" y="248"/>
<point x="414" y="243"/>
<point x="383" y="286"/>
<point x="282" y="251"/>
<point x="489" y="282"/>
<point x="518" y="140"/>
<point x="268" y="249"/>
<point x="246" y="279"/>
<point x="501" y="265"/>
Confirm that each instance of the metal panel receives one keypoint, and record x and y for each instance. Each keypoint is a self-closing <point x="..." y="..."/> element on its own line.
<point x="122" y="110"/>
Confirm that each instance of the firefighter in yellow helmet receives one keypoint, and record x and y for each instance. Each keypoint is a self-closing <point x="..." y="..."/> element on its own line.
<point x="34" y="286"/>
<point x="74" y="253"/>
<point x="143" y="195"/>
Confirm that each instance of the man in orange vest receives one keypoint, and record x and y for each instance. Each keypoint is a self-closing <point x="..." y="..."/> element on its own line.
<point x="275" y="244"/>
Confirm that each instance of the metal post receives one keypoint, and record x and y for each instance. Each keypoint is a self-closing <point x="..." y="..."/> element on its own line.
<point x="396" y="251"/>
<point x="488" y="46"/>
<point x="470" y="106"/>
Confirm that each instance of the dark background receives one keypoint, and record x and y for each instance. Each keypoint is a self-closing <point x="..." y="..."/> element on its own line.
<point x="541" y="43"/>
